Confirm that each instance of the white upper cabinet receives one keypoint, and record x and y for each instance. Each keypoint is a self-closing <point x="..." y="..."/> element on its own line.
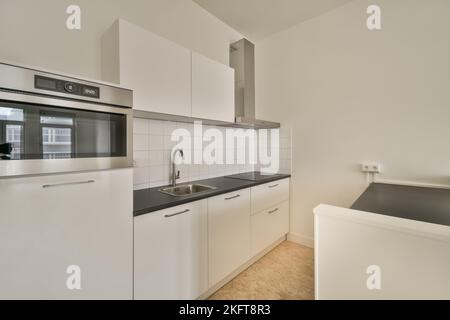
<point x="157" y="70"/>
<point x="212" y="89"/>
<point x="165" y="77"/>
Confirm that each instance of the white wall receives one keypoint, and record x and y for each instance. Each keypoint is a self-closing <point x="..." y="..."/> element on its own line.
<point x="34" y="32"/>
<point x="352" y="95"/>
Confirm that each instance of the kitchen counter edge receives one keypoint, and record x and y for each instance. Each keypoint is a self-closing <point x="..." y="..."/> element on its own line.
<point x="222" y="184"/>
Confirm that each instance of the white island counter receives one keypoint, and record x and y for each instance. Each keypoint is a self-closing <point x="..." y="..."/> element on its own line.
<point x="393" y="244"/>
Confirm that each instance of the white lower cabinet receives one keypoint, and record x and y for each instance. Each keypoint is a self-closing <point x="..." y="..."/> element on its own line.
<point x="267" y="195"/>
<point x="228" y="233"/>
<point x="170" y="253"/>
<point x="268" y="226"/>
<point x="182" y="252"/>
<point x="67" y="236"/>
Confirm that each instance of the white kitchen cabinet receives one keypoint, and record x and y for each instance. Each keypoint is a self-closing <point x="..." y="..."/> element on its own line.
<point x="270" y="214"/>
<point x="228" y="233"/>
<point x="156" y="69"/>
<point x="212" y="89"/>
<point x="165" y="77"/>
<point x="49" y="223"/>
<point x="356" y="250"/>
<point x="170" y="253"/>
<point x="268" y="226"/>
<point x="269" y="194"/>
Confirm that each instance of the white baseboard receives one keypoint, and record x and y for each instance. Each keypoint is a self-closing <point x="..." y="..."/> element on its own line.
<point x="301" y="239"/>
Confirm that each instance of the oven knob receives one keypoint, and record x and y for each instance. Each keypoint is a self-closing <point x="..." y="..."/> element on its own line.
<point x="70" y="87"/>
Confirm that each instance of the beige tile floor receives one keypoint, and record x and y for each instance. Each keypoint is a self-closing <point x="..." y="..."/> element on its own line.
<point x="285" y="273"/>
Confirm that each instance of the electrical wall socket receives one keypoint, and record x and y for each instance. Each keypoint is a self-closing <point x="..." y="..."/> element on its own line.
<point x="371" y="167"/>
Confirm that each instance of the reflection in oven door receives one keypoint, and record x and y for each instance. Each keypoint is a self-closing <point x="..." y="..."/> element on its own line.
<point x="42" y="132"/>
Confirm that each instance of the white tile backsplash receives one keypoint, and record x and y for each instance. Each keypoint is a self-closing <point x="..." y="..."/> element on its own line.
<point x="156" y="142"/>
<point x="140" y="142"/>
<point x="159" y="174"/>
<point x="157" y="158"/>
<point x="141" y="176"/>
<point x="140" y="126"/>
<point x="285" y="150"/>
<point x="155" y="127"/>
<point x="153" y="146"/>
<point x="141" y="159"/>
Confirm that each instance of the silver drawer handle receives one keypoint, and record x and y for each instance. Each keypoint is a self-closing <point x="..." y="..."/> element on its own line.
<point x="275" y="185"/>
<point x="67" y="184"/>
<point x="176" y="214"/>
<point x="231" y="198"/>
<point x="274" y="210"/>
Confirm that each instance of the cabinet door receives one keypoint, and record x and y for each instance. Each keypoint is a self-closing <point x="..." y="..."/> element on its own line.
<point x="228" y="233"/>
<point x="170" y="253"/>
<point x="157" y="70"/>
<point x="212" y="89"/>
<point x="268" y="226"/>
<point x="49" y="223"/>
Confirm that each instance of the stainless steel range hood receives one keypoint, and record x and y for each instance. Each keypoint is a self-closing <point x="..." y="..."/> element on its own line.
<point x="242" y="59"/>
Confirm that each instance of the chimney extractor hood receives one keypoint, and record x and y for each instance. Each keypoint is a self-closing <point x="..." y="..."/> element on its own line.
<point x="242" y="59"/>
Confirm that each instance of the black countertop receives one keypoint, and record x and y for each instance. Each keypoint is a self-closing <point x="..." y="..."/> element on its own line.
<point x="415" y="203"/>
<point x="150" y="200"/>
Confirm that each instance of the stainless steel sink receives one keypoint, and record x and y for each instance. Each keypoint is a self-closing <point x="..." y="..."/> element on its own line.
<point x="186" y="190"/>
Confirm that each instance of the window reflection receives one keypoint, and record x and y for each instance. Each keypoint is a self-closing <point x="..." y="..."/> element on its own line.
<point x="65" y="121"/>
<point x="57" y="136"/>
<point x="44" y="132"/>
<point x="11" y="114"/>
<point x="11" y="130"/>
<point x="57" y="143"/>
<point x="14" y="136"/>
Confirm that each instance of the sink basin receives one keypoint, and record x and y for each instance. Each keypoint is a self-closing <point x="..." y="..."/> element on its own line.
<point x="186" y="190"/>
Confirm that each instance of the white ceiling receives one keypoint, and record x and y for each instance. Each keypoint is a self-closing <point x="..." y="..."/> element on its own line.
<point x="257" y="19"/>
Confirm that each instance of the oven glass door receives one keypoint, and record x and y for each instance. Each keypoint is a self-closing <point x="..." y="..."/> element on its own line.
<point x="30" y="131"/>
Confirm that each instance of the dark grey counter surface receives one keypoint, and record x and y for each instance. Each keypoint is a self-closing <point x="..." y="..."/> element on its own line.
<point x="150" y="200"/>
<point x="415" y="203"/>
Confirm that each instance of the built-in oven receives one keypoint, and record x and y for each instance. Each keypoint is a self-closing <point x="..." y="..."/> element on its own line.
<point x="51" y="123"/>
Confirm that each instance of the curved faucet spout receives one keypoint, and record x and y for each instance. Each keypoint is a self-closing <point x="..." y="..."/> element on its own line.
<point x="175" y="174"/>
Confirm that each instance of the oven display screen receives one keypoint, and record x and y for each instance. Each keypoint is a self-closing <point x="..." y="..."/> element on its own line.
<point x="45" y="83"/>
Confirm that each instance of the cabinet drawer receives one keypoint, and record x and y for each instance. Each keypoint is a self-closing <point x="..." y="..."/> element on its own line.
<point x="269" y="194"/>
<point x="268" y="226"/>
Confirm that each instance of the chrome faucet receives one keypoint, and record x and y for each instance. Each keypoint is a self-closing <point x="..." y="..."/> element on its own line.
<point x="176" y="174"/>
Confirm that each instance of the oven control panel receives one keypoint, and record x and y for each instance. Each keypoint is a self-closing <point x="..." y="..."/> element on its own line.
<point x="68" y="87"/>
